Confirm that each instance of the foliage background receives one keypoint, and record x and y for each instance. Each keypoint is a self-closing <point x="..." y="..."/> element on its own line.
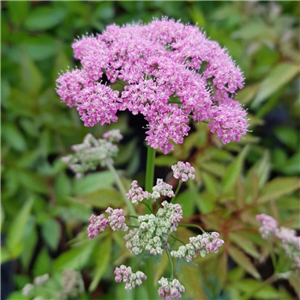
<point x="45" y="211"/>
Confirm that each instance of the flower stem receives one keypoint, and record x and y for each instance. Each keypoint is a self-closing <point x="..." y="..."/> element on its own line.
<point x="171" y="263"/>
<point x="120" y="186"/>
<point x="177" y="239"/>
<point x="177" y="190"/>
<point x="268" y="281"/>
<point x="149" y="263"/>
<point x="192" y="225"/>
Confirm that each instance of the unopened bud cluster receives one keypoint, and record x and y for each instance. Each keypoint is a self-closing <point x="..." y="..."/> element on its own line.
<point x="285" y="237"/>
<point x="201" y="244"/>
<point x="37" y="282"/>
<point x="153" y="232"/>
<point x="125" y="274"/>
<point x="170" y="289"/>
<point x="93" y="152"/>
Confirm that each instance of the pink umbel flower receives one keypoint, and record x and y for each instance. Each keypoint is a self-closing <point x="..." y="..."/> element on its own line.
<point x="116" y="219"/>
<point x="170" y="72"/>
<point x="97" y="225"/>
<point x="125" y="274"/>
<point x="170" y="289"/>
<point x="201" y="244"/>
<point x="183" y="170"/>
<point x="269" y="225"/>
<point x="137" y="194"/>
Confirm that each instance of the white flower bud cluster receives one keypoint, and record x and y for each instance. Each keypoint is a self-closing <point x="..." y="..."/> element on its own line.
<point x="40" y="280"/>
<point x="162" y="189"/>
<point x="201" y="244"/>
<point x="113" y="136"/>
<point x="170" y="289"/>
<point x="37" y="282"/>
<point x="125" y="274"/>
<point x="183" y="171"/>
<point x="153" y="232"/>
<point x="90" y="154"/>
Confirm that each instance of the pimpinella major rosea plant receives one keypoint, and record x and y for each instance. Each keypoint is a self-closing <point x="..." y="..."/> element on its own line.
<point x="171" y="73"/>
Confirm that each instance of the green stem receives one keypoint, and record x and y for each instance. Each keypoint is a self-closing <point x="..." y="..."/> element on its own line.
<point x="177" y="190"/>
<point x="171" y="263"/>
<point x="120" y="186"/>
<point x="149" y="208"/>
<point x="149" y="263"/>
<point x="192" y="225"/>
<point x="268" y="281"/>
<point x="175" y="238"/>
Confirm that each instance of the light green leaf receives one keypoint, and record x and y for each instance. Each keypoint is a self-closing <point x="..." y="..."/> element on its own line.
<point x="165" y="160"/>
<point x="242" y="260"/>
<point x="288" y="136"/>
<point x="279" y="187"/>
<point x="44" y="17"/>
<point x="278" y="77"/>
<point x="43" y="263"/>
<point x="93" y="182"/>
<point x="244" y="243"/>
<point x="13" y="137"/>
<point x="233" y="171"/>
<point x="101" y="199"/>
<point x="185" y="199"/>
<point x="210" y="183"/>
<point x="76" y="258"/>
<point x="16" y="230"/>
<point x="104" y="254"/>
<point x="51" y="232"/>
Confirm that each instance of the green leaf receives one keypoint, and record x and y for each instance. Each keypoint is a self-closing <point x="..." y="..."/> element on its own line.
<point x="210" y="183"/>
<point x="16" y="230"/>
<point x="233" y="171"/>
<point x="185" y="200"/>
<point x="101" y="199"/>
<point x="244" y="243"/>
<point x="288" y="136"/>
<point x="165" y="160"/>
<point x="44" y="17"/>
<point x="40" y="47"/>
<point x="43" y="263"/>
<point x="51" y="232"/>
<point x="76" y="258"/>
<point x="197" y="16"/>
<point x="279" y="187"/>
<point x="242" y="260"/>
<point x="104" y="254"/>
<point x="13" y="137"/>
<point x="33" y="181"/>
<point x="278" y="77"/>
<point x="18" y="11"/>
<point x="93" y="182"/>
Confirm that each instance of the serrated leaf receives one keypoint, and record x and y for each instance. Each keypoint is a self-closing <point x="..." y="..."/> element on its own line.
<point x="16" y="230"/>
<point x="243" y="260"/>
<point x="93" y="182"/>
<point x="51" y="232"/>
<point x="233" y="171"/>
<point x="279" y="187"/>
<point x="278" y="77"/>
<point x="246" y="244"/>
<point x="104" y="254"/>
<point x="190" y="279"/>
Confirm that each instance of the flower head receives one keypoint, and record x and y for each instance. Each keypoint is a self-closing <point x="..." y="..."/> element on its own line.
<point x="170" y="289"/>
<point x="125" y="274"/>
<point x="97" y="225"/>
<point x="183" y="171"/>
<point x="116" y="219"/>
<point x="137" y="194"/>
<point x="268" y="225"/>
<point x="170" y="72"/>
<point x="201" y="244"/>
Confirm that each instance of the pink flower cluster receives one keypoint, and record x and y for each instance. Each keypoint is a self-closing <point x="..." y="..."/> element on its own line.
<point x="287" y="238"/>
<point x="268" y="225"/>
<point x="183" y="171"/>
<point x="162" y="189"/>
<point x="170" y="71"/>
<point x="98" y="224"/>
<point x="137" y="194"/>
<point x="170" y="289"/>
<point x="201" y="244"/>
<point x="125" y="274"/>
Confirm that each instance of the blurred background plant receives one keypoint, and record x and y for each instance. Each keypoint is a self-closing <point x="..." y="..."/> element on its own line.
<point x="45" y="209"/>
